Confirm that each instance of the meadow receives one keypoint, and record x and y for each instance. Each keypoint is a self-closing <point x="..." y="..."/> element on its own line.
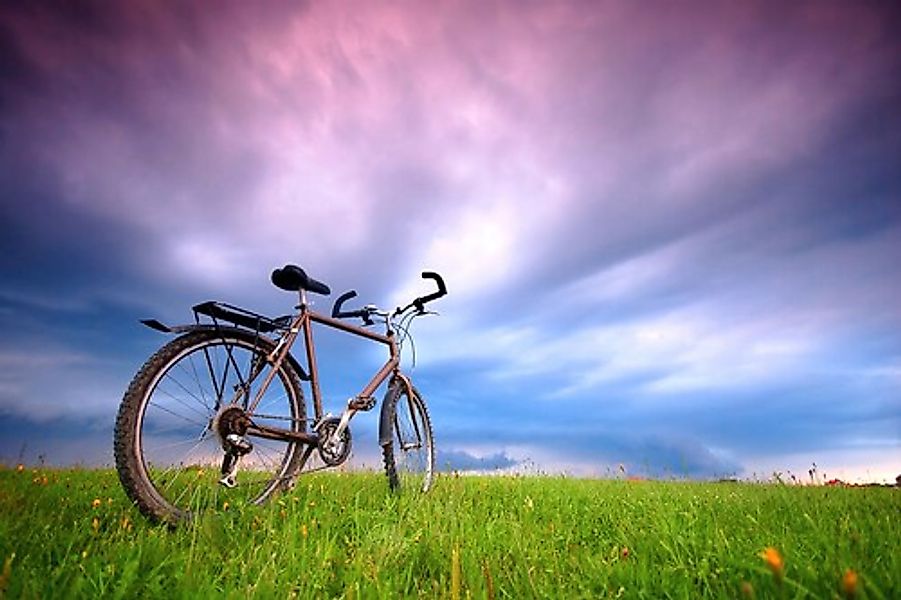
<point x="73" y="533"/>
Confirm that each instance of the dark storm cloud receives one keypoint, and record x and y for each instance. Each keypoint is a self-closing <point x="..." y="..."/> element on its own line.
<point x="169" y="120"/>
<point x="598" y="450"/>
<point x="793" y="114"/>
<point x="458" y="460"/>
<point x="58" y="442"/>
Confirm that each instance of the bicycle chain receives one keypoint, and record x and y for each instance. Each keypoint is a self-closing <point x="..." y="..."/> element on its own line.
<point x="280" y="418"/>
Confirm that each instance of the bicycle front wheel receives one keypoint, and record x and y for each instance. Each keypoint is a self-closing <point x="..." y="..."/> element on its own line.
<point x="410" y="457"/>
<point x="168" y="442"/>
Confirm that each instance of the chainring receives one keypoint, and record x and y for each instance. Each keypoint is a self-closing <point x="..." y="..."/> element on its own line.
<point x="333" y="453"/>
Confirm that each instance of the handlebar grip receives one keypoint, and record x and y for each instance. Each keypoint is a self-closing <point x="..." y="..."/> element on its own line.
<point x="336" y="309"/>
<point x="442" y="289"/>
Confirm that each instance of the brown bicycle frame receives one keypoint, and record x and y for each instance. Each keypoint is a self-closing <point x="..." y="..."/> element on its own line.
<point x="302" y="323"/>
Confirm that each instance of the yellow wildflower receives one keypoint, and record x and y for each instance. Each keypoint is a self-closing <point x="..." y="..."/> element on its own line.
<point x="95" y="503"/>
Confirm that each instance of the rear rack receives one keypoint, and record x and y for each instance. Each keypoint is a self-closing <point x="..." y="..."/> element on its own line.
<point x="239" y="316"/>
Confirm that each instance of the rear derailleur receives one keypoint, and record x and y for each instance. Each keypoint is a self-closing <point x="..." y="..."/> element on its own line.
<point x="230" y="425"/>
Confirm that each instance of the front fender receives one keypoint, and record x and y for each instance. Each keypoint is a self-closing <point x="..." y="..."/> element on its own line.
<point x="386" y="414"/>
<point x="394" y="388"/>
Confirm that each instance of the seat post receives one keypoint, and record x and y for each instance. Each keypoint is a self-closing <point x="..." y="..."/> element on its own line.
<point x="303" y="298"/>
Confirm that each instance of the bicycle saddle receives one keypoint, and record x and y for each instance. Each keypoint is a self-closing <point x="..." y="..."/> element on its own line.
<point x="292" y="278"/>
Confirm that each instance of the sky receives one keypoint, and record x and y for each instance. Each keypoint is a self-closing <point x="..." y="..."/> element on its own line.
<point x="670" y="231"/>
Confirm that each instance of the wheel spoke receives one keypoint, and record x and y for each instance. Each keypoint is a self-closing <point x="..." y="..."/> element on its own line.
<point x="178" y="467"/>
<point x="409" y="459"/>
<point x="175" y="414"/>
<point x="178" y="405"/>
<point x="200" y="388"/>
<point x="179" y="443"/>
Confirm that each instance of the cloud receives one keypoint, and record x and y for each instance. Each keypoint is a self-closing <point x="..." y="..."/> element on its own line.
<point x="226" y="144"/>
<point x="56" y="442"/>
<point x="45" y="384"/>
<point x="680" y="212"/>
<point x="460" y="460"/>
<point x="591" y="450"/>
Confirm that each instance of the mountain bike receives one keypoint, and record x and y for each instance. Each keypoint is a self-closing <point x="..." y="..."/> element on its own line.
<point x="217" y="417"/>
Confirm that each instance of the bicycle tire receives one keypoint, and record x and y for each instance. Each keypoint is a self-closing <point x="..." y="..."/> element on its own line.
<point x="161" y="403"/>
<point x="410" y="456"/>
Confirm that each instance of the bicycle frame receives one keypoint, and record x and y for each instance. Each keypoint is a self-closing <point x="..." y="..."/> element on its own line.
<point x="203" y="399"/>
<point x="303" y="324"/>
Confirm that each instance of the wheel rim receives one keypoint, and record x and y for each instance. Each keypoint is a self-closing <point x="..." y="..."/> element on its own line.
<point x="181" y="454"/>
<point x="413" y="450"/>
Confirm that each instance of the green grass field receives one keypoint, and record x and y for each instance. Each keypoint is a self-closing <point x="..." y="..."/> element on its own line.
<point x="72" y="533"/>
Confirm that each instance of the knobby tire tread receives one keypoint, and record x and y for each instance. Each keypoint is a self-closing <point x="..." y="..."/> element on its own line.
<point x="388" y="450"/>
<point x="136" y="487"/>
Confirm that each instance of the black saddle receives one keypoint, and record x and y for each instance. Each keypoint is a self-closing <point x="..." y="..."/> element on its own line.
<point x="292" y="278"/>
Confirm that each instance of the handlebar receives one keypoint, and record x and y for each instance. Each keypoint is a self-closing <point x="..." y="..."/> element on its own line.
<point x="336" y="308"/>
<point x="337" y="313"/>
<point x="418" y="303"/>
<point x="442" y="290"/>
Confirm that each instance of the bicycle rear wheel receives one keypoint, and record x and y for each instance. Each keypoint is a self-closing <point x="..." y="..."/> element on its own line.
<point x="410" y="457"/>
<point x="168" y="446"/>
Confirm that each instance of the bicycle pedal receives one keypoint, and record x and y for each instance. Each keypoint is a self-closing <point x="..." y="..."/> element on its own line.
<point x="361" y="403"/>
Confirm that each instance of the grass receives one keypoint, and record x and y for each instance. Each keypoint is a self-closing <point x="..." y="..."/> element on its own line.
<point x="74" y="533"/>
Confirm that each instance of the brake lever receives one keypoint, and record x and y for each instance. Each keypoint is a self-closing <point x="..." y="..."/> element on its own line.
<point x="400" y="311"/>
<point x="368" y="311"/>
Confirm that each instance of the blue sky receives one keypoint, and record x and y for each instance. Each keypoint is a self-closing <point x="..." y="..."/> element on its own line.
<point x="671" y="237"/>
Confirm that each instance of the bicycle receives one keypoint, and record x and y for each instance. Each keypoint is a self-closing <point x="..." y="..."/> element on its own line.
<point x="226" y="393"/>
